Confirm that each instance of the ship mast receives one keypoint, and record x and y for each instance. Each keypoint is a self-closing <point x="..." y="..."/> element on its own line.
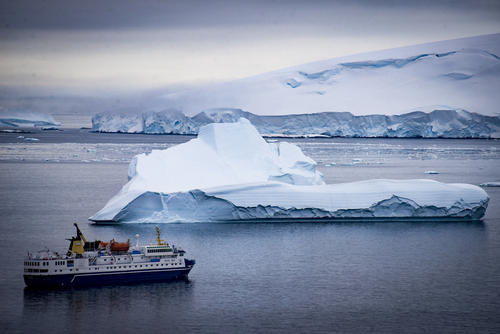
<point x="158" y="238"/>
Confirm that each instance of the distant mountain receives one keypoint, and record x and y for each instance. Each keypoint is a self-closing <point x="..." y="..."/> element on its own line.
<point x="438" y="123"/>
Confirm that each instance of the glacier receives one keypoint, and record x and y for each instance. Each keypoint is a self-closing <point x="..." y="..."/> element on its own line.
<point x="230" y="173"/>
<point x="461" y="74"/>
<point x="441" y="89"/>
<point x="436" y="124"/>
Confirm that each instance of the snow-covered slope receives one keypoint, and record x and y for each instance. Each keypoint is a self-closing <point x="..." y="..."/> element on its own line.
<point x="454" y="74"/>
<point x="456" y="82"/>
<point x="231" y="173"/>
<point x="11" y="118"/>
<point x="439" y="123"/>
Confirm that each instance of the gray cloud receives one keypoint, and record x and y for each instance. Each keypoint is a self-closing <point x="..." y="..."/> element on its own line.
<point x="101" y="45"/>
<point x="95" y="14"/>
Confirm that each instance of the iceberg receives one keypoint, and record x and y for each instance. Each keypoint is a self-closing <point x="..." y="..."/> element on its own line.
<point x="230" y="173"/>
<point x="9" y="118"/>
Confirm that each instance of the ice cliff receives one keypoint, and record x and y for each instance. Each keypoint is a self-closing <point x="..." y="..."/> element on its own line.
<point x="229" y="172"/>
<point x="436" y="124"/>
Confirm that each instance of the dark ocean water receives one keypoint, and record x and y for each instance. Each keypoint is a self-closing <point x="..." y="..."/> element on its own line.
<point x="268" y="277"/>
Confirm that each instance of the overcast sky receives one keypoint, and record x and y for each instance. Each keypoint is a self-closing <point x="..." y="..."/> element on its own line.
<point x="97" y="46"/>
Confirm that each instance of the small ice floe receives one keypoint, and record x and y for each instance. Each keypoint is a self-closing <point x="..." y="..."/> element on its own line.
<point x="13" y="131"/>
<point x="20" y="137"/>
<point x="330" y="164"/>
<point x="31" y="139"/>
<point x="431" y="172"/>
<point x="490" y="184"/>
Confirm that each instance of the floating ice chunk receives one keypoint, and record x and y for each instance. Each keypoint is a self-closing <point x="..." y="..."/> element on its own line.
<point x="431" y="172"/>
<point x="31" y="139"/>
<point x="490" y="184"/>
<point x="15" y="118"/>
<point x="231" y="173"/>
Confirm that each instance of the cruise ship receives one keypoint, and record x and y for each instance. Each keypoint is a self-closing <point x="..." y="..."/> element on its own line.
<point x="101" y="263"/>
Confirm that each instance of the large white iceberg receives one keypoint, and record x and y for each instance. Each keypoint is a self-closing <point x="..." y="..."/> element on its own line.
<point x="231" y="173"/>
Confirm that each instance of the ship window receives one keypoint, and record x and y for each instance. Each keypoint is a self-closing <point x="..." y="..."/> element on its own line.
<point x="71" y="270"/>
<point x="141" y="265"/>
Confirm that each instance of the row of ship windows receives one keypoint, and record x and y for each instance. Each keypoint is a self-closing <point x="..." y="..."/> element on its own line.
<point x="140" y="266"/>
<point x="158" y="250"/>
<point x="112" y="267"/>
<point x="37" y="263"/>
<point x="36" y="270"/>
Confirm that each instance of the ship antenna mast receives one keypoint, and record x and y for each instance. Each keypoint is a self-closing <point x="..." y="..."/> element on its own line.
<point x="158" y="238"/>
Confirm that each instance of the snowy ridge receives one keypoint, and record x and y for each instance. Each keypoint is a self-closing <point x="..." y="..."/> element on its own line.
<point x="438" y="123"/>
<point x="230" y="173"/>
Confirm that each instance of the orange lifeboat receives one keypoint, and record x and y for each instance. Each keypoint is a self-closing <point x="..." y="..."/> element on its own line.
<point x="116" y="246"/>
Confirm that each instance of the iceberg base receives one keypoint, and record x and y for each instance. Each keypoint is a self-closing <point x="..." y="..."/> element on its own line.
<point x="198" y="206"/>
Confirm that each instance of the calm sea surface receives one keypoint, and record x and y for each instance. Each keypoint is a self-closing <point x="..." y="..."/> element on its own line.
<point x="269" y="277"/>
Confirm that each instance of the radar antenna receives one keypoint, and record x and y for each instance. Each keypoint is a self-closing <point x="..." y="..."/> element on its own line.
<point x="158" y="238"/>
